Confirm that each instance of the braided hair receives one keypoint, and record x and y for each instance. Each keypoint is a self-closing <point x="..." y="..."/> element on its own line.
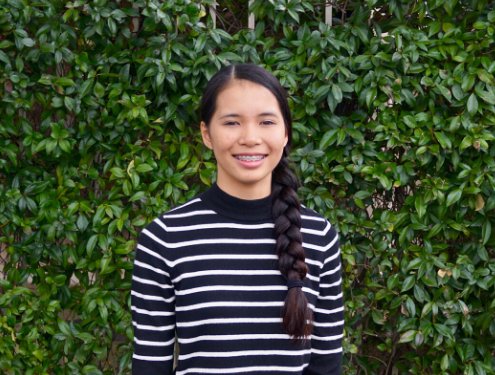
<point x="297" y="317"/>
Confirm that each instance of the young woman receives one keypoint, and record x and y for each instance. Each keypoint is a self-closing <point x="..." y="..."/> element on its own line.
<point x="248" y="276"/>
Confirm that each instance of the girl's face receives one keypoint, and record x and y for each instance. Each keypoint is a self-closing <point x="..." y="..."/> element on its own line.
<point x="247" y="121"/>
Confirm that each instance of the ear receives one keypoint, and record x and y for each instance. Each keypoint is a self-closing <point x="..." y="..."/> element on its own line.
<point x="286" y="138"/>
<point x="206" y="136"/>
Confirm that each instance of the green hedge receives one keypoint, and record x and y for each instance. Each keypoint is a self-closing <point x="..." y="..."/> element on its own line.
<point x="394" y="113"/>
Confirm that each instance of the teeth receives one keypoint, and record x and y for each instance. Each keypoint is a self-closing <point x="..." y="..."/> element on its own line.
<point x="249" y="158"/>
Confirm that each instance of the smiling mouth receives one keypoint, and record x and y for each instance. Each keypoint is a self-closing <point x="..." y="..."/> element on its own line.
<point x="250" y="158"/>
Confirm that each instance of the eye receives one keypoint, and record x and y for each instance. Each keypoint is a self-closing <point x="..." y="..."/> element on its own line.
<point x="230" y="122"/>
<point x="268" y="122"/>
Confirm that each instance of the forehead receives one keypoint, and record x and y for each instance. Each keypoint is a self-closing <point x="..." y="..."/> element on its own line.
<point x="246" y="98"/>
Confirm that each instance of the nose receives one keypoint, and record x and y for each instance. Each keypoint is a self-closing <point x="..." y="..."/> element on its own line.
<point x="250" y="134"/>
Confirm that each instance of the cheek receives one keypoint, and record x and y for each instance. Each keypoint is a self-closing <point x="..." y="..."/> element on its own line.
<point x="278" y="141"/>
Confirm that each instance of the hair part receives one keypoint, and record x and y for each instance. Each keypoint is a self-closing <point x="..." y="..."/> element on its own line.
<point x="297" y="317"/>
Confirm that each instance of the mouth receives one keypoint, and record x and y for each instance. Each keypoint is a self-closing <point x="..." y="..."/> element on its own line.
<point x="249" y="157"/>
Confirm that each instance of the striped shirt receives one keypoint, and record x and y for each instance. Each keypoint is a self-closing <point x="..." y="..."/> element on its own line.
<point x="208" y="270"/>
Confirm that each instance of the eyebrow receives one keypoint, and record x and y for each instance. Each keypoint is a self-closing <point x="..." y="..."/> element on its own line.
<point x="261" y="114"/>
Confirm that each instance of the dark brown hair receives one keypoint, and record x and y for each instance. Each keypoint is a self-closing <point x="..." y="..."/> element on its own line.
<point x="297" y="317"/>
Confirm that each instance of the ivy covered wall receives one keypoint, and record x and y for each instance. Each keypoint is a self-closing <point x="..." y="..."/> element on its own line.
<point x="394" y="129"/>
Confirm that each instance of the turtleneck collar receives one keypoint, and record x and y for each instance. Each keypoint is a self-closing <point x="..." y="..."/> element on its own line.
<point x="237" y="208"/>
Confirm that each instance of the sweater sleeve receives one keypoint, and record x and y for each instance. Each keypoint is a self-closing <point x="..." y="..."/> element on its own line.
<point x="152" y="308"/>
<point x="326" y="341"/>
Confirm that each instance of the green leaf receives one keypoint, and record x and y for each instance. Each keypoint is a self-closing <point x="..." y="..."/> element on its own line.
<point x="144" y="168"/>
<point x="392" y="281"/>
<point x="443" y="140"/>
<point x="445" y="92"/>
<point x="454" y="196"/>
<point x="328" y="139"/>
<point x="434" y="28"/>
<point x="443" y="330"/>
<point x="408" y="283"/>
<point x="99" y="90"/>
<point x="64" y="82"/>
<point x="337" y="93"/>
<point x="486" y="231"/>
<point x="72" y="209"/>
<point x="64" y="327"/>
<point x="407" y="337"/>
<point x="472" y="105"/>
<point x="36" y="187"/>
<point x="137" y="196"/>
<point x="378" y="317"/>
<point x="91" y="244"/>
<point x="85" y="87"/>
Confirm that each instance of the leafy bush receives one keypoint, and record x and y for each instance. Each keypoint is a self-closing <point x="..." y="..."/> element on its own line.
<point x="394" y="113"/>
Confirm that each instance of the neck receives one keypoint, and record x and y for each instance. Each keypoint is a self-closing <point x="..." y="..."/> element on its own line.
<point x="248" y="210"/>
<point x="255" y="190"/>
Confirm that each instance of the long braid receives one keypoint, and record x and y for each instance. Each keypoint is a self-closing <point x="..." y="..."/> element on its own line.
<point x="297" y="317"/>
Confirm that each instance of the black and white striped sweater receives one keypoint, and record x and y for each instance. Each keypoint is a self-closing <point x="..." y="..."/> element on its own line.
<point x="208" y="269"/>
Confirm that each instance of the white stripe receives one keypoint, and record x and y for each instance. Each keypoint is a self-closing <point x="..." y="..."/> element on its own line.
<point x="329" y="324"/>
<point x="188" y="275"/>
<point x="330" y="258"/>
<point x="185" y="204"/>
<point x="235" y="226"/>
<point x="151" y="282"/>
<point x="153" y="328"/>
<point x="240" y="353"/>
<point x="237" y="370"/>
<point x="339" y="281"/>
<point x="255" y="288"/>
<point x="259" y="336"/>
<point x="317" y="232"/>
<point x="152" y="313"/>
<point x="231" y="240"/>
<point x="212" y="226"/>
<point x="310" y="291"/>
<point x="147" y="266"/>
<point x="331" y="351"/>
<point x="187" y="214"/>
<point x="154" y="343"/>
<point x="229" y="321"/>
<point x="331" y="272"/>
<point x="221" y="256"/>
<point x="311" y="277"/>
<point x="152" y="253"/>
<point x="152" y="359"/>
<point x="152" y="298"/>
<point x="327" y="338"/>
<point x="228" y="304"/>
<point x="333" y="298"/>
<point x="313" y="262"/>
<point x="255" y="241"/>
<point x="313" y="217"/>
<point x="324" y="311"/>
<point x="226" y="272"/>
<point x="319" y="248"/>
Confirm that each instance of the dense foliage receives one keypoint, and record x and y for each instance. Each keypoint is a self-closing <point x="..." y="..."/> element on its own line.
<point x="394" y="113"/>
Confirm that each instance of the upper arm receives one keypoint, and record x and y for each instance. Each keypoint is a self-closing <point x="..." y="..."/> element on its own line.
<point x="326" y="341"/>
<point x="152" y="308"/>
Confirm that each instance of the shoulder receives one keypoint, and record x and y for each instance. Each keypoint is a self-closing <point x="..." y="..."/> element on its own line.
<point x="318" y="233"/>
<point x="185" y="212"/>
<point x="312" y="219"/>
